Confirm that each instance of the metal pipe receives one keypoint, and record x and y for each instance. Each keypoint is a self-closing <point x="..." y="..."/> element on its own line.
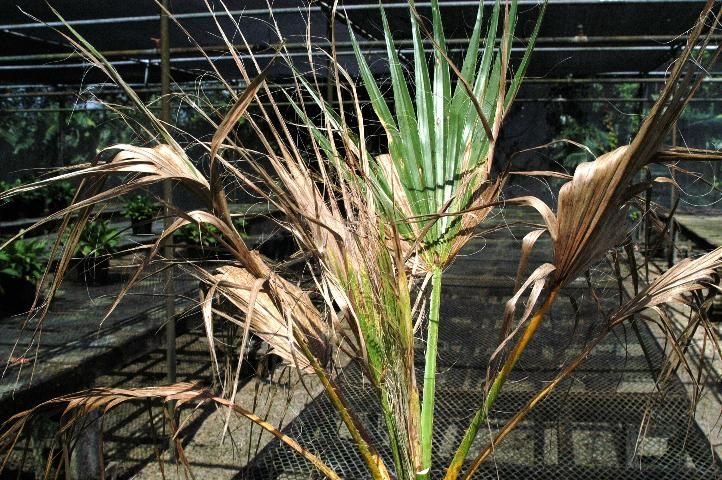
<point x="673" y="199"/>
<point x="289" y="10"/>
<point x="349" y="102"/>
<point x="342" y="53"/>
<point x="658" y="40"/>
<point x="605" y="100"/>
<point x="153" y="18"/>
<point x="606" y="77"/>
<point x="81" y="91"/>
<point x="607" y="80"/>
<point x="216" y="86"/>
<point x="170" y="330"/>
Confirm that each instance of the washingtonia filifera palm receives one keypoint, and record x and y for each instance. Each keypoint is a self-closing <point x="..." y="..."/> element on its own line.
<point x="404" y="205"/>
<point x="441" y="146"/>
<point x="368" y="225"/>
<point x="434" y="185"/>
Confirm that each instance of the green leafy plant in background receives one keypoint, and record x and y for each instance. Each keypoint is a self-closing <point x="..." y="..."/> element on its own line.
<point x="598" y="126"/>
<point x="205" y="239"/>
<point x="24" y="259"/>
<point x="8" y="185"/>
<point x="140" y="209"/>
<point x="241" y="225"/>
<point x="59" y="195"/>
<point x="22" y="265"/>
<point x="96" y="243"/>
<point x="30" y="204"/>
<point x="98" y="238"/>
<point x="39" y="130"/>
<point x="198" y="235"/>
<point x="8" y="207"/>
<point x="376" y="228"/>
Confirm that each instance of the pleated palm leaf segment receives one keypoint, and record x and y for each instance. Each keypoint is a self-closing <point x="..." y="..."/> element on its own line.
<point x="441" y="140"/>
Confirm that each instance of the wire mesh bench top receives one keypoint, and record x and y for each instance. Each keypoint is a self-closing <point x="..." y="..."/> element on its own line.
<point x="610" y="419"/>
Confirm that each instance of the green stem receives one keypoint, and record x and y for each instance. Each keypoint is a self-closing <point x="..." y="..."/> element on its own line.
<point x="538" y="397"/>
<point x="427" y="407"/>
<point x="401" y="463"/>
<point x="480" y="416"/>
<point x="373" y="460"/>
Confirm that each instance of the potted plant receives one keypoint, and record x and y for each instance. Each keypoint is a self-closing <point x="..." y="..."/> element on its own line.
<point x="203" y="241"/>
<point x="241" y="224"/>
<point x="97" y="243"/>
<point x="199" y="240"/>
<point x="140" y="210"/>
<point x="21" y="265"/>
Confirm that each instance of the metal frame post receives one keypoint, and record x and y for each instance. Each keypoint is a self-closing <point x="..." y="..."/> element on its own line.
<point x="673" y="198"/>
<point x="169" y="292"/>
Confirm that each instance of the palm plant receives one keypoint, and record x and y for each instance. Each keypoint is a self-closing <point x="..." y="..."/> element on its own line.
<point x="376" y="229"/>
<point x="441" y="151"/>
<point x="435" y="184"/>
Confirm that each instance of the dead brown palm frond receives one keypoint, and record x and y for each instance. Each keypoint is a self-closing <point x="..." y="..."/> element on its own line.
<point x="677" y="154"/>
<point x="227" y="237"/>
<point x="234" y="115"/>
<point x="77" y="406"/>
<point x="347" y="238"/>
<point x="281" y="302"/>
<point x="591" y="208"/>
<point x="591" y="214"/>
<point x="275" y="311"/>
<point x="141" y="167"/>
<point x="676" y="285"/>
<point x="338" y="242"/>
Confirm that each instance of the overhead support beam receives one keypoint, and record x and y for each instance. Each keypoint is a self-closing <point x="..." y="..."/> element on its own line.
<point x="589" y="36"/>
<point x="656" y="42"/>
<point x="81" y="91"/>
<point x="153" y="18"/>
<point x="301" y="54"/>
<point x="296" y="10"/>
<point x="349" y="102"/>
